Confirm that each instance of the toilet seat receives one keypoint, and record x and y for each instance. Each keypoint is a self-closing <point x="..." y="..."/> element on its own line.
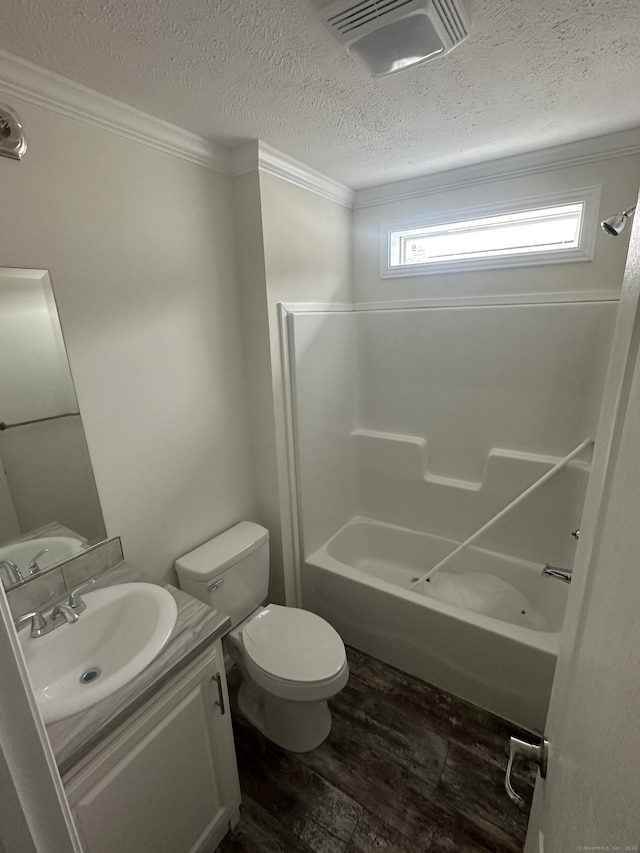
<point x="293" y="645"/>
<point x="332" y="667"/>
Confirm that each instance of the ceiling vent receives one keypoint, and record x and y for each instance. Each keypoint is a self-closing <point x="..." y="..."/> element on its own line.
<point x="390" y="35"/>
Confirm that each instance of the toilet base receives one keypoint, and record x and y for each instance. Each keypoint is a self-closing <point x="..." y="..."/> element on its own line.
<point x="295" y="726"/>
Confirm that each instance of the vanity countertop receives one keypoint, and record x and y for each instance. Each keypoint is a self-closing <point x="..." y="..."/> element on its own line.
<point x="197" y="626"/>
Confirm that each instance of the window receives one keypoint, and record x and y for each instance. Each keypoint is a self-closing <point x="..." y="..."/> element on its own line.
<point x="532" y="233"/>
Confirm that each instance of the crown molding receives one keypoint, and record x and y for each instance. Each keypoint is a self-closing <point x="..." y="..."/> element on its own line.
<point x="22" y="79"/>
<point x="31" y="83"/>
<point x="273" y="162"/>
<point x="258" y="156"/>
<point x="618" y="144"/>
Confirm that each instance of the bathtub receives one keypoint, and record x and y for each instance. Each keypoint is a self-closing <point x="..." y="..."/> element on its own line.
<point x="359" y="581"/>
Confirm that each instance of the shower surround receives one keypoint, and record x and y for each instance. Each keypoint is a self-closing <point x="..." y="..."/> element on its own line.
<point x="413" y="427"/>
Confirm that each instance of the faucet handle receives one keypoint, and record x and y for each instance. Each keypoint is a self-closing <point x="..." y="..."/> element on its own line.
<point x="75" y="600"/>
<point x="34" y="568"/>
<point x="64" y="612"/>
<point x="38" y="621"/>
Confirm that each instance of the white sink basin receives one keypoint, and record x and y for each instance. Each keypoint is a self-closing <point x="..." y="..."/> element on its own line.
<point x="58" y="548"/>
<point x="76" y="665"/>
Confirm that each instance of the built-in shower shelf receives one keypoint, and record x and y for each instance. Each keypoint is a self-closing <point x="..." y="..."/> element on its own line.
<point x="410" y="454"/>
<point x="394" y="485"/>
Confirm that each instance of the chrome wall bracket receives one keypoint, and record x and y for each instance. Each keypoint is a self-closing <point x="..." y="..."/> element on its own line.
<point x="12" y="141"/>
<point x="537" y="752"/>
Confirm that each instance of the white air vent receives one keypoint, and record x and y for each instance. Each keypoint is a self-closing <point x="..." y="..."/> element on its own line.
<point x="389" y="35"/>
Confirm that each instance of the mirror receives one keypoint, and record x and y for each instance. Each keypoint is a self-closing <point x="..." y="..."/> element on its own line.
<point x="48" y="497"/>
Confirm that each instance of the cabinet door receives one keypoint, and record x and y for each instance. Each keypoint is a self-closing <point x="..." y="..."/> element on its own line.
<point x="163" y="784"/>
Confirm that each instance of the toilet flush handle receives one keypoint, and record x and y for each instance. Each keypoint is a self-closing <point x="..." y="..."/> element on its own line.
<point x="215" y="584"/>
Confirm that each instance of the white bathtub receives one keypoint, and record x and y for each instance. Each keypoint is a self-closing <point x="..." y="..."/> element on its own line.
<point x="359" y="581"/>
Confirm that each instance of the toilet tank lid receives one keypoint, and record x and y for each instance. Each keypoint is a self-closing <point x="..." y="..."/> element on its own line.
<point x="222" y="551"/>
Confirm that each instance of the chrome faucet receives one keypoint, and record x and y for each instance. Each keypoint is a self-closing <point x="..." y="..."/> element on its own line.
<point x="556" y="572"/>
<point x="14" y="573"/>
<point x="40" y="625"/>
<point x="34" y="568"/>
<point x="60" y="615"/>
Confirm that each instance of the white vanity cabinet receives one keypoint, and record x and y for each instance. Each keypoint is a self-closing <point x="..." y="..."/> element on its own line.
<point x="166" y="781"/>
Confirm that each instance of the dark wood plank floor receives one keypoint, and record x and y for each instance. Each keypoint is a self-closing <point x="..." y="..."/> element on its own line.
<point x="406" y="768"/>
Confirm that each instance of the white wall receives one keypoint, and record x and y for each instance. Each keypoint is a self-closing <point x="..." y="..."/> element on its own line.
<point x="435" y="419"/>
<point x="326" y="383"/>
<point x="462" y="408"/>
<point x="619" y="178"/>
<point x="470" y="379"/>
<point x="140" y="247"/>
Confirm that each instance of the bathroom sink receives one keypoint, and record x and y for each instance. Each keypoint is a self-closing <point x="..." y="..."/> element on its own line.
<point x="122" y="630"/>
<point x="57" y="548"/>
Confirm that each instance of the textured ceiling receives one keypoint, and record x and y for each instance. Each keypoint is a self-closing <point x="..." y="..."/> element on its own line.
<point x="533" y="73"/>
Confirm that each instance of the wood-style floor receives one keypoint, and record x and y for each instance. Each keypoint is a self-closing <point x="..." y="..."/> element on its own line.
<point x="406" y="768"/>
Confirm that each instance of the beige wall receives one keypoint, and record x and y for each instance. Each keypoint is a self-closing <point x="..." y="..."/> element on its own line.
<point x="307" y="258"/>
<point x="140" y="246"/>
<point x="248" y="219"/>
<point x="307" y="241"/>
<point x="619" y="178"/>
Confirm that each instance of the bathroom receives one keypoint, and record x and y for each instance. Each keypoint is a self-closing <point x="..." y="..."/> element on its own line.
<point x="172" y="332"/>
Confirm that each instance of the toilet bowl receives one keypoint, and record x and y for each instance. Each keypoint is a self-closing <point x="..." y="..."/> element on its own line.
<point x="291" y="661"/>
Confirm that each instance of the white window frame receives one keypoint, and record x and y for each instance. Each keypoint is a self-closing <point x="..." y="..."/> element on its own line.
<point x="589" y="196"/>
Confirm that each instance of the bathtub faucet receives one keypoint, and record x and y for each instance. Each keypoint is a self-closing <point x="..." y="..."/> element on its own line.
<point x="556" y="572"/>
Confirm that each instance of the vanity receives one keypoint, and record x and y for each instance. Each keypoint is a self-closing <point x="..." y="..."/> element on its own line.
<point x="166" y="778"/>
<point x="151" y="766"/>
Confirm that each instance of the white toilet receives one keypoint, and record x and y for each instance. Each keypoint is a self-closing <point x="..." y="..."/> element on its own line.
<point x="291" y="660"/>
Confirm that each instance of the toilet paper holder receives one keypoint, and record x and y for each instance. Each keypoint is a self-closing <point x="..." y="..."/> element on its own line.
<point x="538" y="752"/>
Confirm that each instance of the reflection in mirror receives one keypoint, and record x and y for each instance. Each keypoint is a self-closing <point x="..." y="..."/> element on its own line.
<point x="49" y="506"/>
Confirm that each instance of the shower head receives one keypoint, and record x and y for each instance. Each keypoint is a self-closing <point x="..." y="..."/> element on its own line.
<point x="12" y="141"/>
<point x="614" y="224"/>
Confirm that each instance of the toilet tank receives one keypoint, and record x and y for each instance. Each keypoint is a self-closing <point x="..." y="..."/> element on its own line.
<point x="229" y="572"/>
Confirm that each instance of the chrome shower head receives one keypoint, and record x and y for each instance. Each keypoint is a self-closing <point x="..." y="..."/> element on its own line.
<point x="12" y="141"/>
<point x="614" y="224"/>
